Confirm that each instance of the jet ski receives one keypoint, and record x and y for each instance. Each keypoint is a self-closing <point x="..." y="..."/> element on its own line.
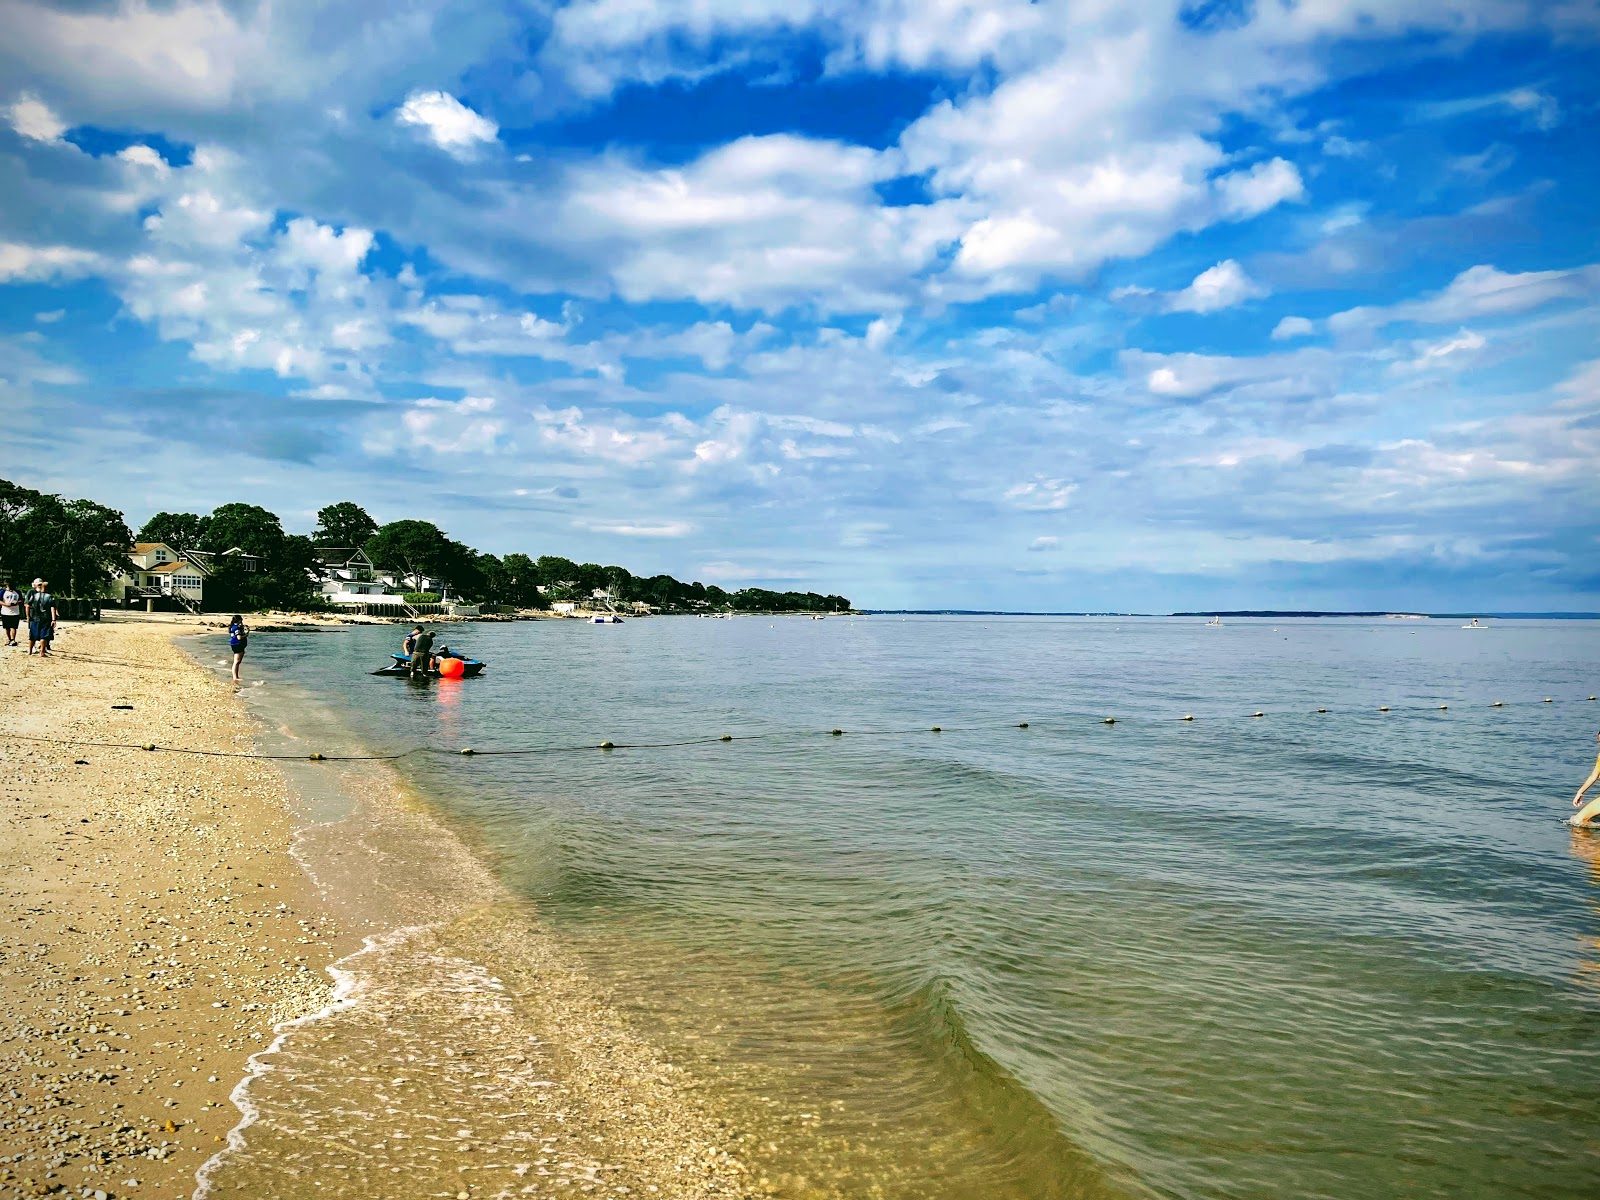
<point x="402" y="666"/>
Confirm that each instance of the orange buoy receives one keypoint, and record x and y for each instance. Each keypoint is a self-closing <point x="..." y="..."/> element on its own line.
<point x="452" y="668"/>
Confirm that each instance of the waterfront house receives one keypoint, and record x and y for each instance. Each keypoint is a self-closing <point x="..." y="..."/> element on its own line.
<point x="345" y="562"/>
<point x="159" y="571"/>
<point x="345" y="575"/>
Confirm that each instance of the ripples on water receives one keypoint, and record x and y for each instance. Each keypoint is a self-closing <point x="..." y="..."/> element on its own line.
<point x="1342" y="954"/>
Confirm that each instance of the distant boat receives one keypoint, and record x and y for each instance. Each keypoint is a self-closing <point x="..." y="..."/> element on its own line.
<point x="1476" y="624"/>
<point x="1214" y="623"/>
<point x="819" y="616"/>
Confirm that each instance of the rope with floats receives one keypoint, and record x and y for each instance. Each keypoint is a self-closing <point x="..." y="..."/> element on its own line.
<point x="771" y="735"/>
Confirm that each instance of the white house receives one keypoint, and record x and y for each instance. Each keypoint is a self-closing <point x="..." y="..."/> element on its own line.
<point x="158" y="570"/>
<point x="345" y="575"/>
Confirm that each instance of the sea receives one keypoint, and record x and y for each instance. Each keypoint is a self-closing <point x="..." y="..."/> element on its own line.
<point x="970" y="907"/>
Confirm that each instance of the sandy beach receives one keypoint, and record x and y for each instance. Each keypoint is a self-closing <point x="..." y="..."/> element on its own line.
<point x="167" y="916"/>
<point x="155" y="927"/>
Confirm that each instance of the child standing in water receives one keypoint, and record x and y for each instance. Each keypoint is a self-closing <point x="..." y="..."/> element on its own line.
<point x="238" y="641"/>
<point x="1586" y="815"/>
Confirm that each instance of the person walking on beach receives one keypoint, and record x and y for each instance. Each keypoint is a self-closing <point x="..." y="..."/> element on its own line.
<point x="238" y="640"/>
<point x="10" y="612"/>
<point x="1584" y="817"/>
<point x="421" y="653"/>
<point x="41" y="619"/>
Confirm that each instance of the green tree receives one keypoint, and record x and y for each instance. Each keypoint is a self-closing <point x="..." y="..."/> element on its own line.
<point x="344" y="524"/>
<point x="554" y="570"/>
<point x="75" y="544"/>
<point x="246" y="527"/>
<point x="281" y="580"/>
<point x="412" y="549"/>
<point x="521" y="582"/>
<point x="183" y="531"/>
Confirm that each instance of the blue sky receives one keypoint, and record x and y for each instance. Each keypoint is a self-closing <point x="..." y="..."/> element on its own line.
<point x="1018" y="305"/>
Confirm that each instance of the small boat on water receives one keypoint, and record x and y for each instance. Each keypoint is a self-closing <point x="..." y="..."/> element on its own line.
<point x="605" y="619"/>
<point x="1214" y="623"/>
<point x="402" y="666"/>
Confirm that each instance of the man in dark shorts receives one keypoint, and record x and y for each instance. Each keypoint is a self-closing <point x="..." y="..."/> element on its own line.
<point x="421" y="653"/>
<point x="41" y="619"/>
<point x="10" y="612"/>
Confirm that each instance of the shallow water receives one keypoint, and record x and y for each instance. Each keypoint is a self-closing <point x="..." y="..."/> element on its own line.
<point x="1342" y="954"/>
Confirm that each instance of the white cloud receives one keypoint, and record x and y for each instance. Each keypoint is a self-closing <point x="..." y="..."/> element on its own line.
<point x="1185" y="376"/>
<point x="1293" y="327"/>
<point x="449" y="124"/>
<point x="655" y="529"/>
<point x="762" y="222"/>
<point x="32" y="118"/>
<point x="1540" y="109"/>
<point x="51" y="317"/>
<point x="1216" y="288"/>
<point x="29" y="264"/>
<point x="881" y="331"/>
<point x="1478" y="292"/>
<point x="1450" y="352"/>
<point x="1044" y="544"/>
<point x="1248" y="193"/>
<point x="1043" y="495"/>
<point x="308" y="245"/>
<point x="1339" y="146"/>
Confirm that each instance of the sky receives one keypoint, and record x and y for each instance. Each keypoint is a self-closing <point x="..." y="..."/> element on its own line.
<point x="933" y="303"/>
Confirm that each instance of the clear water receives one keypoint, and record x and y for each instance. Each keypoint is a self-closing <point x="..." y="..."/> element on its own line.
<point x="1337" y="954"/>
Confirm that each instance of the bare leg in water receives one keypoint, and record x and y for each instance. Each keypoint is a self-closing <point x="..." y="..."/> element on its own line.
<point x="1585" y="816"/>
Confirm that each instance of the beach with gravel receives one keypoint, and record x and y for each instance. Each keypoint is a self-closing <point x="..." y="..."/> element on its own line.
<point x="204" y="990"/>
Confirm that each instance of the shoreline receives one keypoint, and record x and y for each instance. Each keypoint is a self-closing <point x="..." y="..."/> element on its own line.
<point x="374" y="916"/>
<point x="156" y="928"/>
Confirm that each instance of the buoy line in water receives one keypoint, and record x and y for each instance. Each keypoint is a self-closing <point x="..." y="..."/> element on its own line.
<point x="1055" y="725"/>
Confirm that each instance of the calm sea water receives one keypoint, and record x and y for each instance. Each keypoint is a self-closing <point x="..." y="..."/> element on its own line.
<point x="1339" y="954"/>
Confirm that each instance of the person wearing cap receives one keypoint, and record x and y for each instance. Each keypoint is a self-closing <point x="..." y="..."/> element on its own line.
<point x="10" y="611"/>
<point x="41" y="619"/>
<point x="1584" y="817"/>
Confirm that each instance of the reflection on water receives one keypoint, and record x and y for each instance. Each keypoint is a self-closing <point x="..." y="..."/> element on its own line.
<point x="1586" y="846"/>
<point x="1314" y="954"/>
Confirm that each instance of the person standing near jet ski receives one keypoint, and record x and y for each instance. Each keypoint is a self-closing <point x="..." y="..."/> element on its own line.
<point x="421" y="644"/>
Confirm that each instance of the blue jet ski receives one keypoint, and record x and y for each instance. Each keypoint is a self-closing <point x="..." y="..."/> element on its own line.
<point x="402" y="666"/>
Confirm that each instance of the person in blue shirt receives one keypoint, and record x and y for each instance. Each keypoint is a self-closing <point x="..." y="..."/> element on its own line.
<point x="238" y="642"/>
<point x="41" y="618"/>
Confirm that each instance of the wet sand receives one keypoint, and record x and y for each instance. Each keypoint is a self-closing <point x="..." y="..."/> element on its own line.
<point x="169" y="916"/>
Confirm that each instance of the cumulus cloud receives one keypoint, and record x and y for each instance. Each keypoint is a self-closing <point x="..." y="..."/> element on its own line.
<point x="19" y="263"/>
<point x="1044" y="544"/>
<point x="447" y="122"/>
<point x="32" y="118"/>
<point x="762" y="222"/>
<point x="1253" y="191"/>
<point x="1293" y="327"/>
<point x="1216" y="288"/>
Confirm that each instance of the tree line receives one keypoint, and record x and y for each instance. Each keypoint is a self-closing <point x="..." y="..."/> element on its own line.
<point x="77" y="544"/>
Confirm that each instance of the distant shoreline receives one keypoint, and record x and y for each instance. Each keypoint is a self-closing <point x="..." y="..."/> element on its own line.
<point x="1222" y="612"/>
